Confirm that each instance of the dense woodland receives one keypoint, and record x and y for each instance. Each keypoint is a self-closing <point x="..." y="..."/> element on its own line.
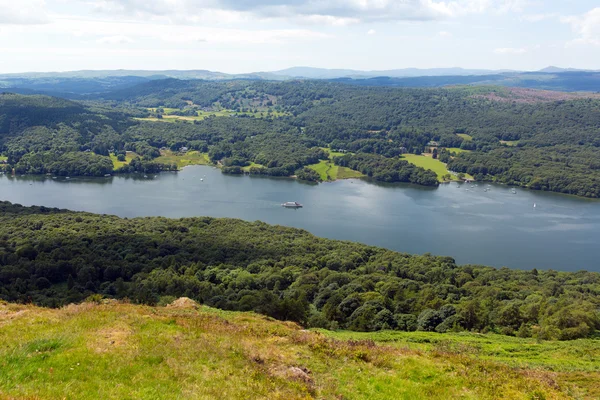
<point x="541" y="140"/>
<point x="52" y="257"/>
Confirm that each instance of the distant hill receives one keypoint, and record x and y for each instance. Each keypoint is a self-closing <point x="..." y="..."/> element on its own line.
<point x="159" y="74"/>
<point x="87" y="83"/>
<point x="553" y="69"/>
<point x="70" y="87"/>
<point x="576" y="81"/>
<point x="323" y="73"/>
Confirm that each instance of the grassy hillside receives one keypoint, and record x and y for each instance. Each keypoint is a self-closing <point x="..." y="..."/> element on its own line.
<point x="116" y="350"/>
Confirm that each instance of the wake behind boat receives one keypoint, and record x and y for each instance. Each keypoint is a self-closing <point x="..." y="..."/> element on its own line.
<point x="291" y="204"/>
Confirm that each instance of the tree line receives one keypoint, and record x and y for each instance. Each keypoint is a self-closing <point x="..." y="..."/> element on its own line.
<point x="53" y="257"/>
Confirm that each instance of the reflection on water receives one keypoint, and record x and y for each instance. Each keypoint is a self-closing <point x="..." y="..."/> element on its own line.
<point x="493" y="227"/>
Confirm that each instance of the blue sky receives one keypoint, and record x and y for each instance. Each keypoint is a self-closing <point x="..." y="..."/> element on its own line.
<point x="244" y="35"/>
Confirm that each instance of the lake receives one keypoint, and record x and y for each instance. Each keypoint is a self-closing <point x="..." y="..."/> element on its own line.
<point x="494" y="227"/>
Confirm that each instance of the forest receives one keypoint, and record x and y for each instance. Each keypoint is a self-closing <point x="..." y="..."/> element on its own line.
<point x="54" y="257"/>
<point x="536" y="139"/>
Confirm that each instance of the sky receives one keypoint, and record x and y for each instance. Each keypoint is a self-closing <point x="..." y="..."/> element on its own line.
<point x="237" y="36"/>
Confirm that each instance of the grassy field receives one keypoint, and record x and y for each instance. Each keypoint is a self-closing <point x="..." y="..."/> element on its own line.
<point x="510" y="142"/>
<point x="190" y="158"/>
<point x="169" y="117"/>
<point x="465" y="136"/>
<point x="3" y="158"/>
<point x="330" y="172"/>
<point x="432" y="164"/>
<point x="457" y="150"/>
<point x="128" y="157"/>
<point x="252" y="164"/>
<point x="116" y="351"/>
<point x="574" y="364"/>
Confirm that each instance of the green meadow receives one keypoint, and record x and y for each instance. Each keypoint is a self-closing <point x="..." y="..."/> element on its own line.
<point x="183" y="160"/>
<point x="130" y="155"/>
<point x="465" y="136"/>
<point x="116" y="350"/>
<point x="168" y="115"/>
<point x="432" y="164"/>
<point x="428" y="163"/>
<point x="252" y="164"/>
<point x="331" y="172"/>
<point x="457" y="150"/>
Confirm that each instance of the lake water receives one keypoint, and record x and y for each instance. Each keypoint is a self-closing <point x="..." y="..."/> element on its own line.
<point x="494" y="227"/>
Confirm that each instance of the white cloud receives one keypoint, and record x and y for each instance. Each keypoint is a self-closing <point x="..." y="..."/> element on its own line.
<point x="331" y="20"/>
<point x="444" y="34"/>
<point x="118" y="39"/>
<point x="371" y="32"/>
<point x="23" y="12"/>
<point x="131" y="31"/>
<point x="510" y="50"/>
<point x="330" y="12"/>
<point x="586" y="26"/>
<point x="539" y="17"/>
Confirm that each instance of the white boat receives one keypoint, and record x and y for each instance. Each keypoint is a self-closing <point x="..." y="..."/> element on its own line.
<point x="534" y="205"/>
<point x="291" y="204"/>
<point x="201" y="180"/>
<point x="514" y="191"/>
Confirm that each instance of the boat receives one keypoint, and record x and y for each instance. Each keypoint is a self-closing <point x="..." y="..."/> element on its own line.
<point x="534" y="205"/>
<point x="201" y="180"/>
<point x="514" y="191"/>
<point x="291" y="204"/>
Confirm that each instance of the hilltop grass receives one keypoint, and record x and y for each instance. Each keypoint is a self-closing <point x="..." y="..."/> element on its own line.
<point x="3" y="158"/>
<point x="465" y="136"/>
<point x="510" y="142"/>
<point x="130" y="155"/>
<point x="117" y="350"/>
<point x="574" y="364"/>
<point x="183" y="160"/>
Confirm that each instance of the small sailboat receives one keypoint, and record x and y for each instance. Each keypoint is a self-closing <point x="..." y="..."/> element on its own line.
<point x="201" y="179"/>
<point x="534" y="205"/>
